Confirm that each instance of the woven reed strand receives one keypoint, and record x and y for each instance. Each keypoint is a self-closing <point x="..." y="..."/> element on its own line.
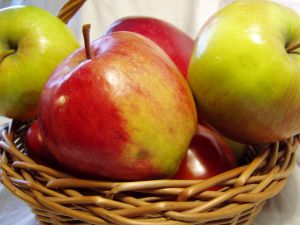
<point x="69" y="9"/>
<point x="59" y="198"/>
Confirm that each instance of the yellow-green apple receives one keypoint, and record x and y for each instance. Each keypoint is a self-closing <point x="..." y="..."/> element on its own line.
<point x="126" y="113"/>
<point x="32" y="43"/>
<point x="177" y="44"/>
<point x="245" y="71"/>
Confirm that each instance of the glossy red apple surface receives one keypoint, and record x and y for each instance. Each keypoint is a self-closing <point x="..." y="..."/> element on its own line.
<point x="127" y="113"/>
<point x="207" y="156"/>
<point x="174" y="42"/>
<point x="36" y="146"/>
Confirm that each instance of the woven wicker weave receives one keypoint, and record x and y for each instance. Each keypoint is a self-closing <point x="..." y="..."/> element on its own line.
<point x="58" y="198"/>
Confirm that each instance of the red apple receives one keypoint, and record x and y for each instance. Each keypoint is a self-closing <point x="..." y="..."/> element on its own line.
<point x="126" y="113"/>
<point x="207" y="156"/>
<point x="36" y="146"/>
<point x="174" y="42"/>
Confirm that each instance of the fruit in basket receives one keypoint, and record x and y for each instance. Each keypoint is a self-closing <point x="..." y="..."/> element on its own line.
<point x="245" y="72"/>
<point x="238" y="149"/>
<point x="33" y="42"/>
<point x="207" y="156"/>
<point x="36" y="146"/>
<point x="126" y="113"/>
<point x="174" y="42"/>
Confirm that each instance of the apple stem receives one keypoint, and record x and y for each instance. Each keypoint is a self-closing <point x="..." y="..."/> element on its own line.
<point x="292" y="48"/>
<point x="6" y="53"/>
<point x="86" y="36"/>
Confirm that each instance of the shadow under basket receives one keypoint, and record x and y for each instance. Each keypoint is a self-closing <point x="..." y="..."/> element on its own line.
<point x="58" y="198"/>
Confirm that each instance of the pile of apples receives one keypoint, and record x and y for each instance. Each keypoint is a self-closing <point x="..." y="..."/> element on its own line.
<point x="145" y="101"/>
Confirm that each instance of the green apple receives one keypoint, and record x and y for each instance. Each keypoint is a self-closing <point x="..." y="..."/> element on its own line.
<point x="32" y="43"/>
<point x="244" y="74"/>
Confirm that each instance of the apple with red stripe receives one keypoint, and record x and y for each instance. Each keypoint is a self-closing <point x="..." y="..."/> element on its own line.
<point x="119" y="109"/>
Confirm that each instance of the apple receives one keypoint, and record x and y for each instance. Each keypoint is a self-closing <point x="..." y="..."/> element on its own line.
<point x="239" y="149"/>
<point x="126" y="113"/>
<point x="37" y="149"/>
<point x="32" y="43"/>
<point x="173" y="41"/>
<point x="207" y="156"/>
<point x="245" y="72"/>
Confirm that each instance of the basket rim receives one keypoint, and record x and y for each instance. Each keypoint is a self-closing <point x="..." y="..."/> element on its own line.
<point x="243" y="194"/>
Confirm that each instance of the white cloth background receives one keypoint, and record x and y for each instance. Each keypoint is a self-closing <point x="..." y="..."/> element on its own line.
<point x="188" y="15"/>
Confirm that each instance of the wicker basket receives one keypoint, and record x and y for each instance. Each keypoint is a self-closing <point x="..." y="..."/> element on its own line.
<point x="58" y="198"/>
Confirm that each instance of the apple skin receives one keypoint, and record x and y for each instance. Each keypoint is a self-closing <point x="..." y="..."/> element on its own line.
<point x="208" y="155"/>
<point x="238" y="149"/>
<point x="37" y="149"/>
<point x="177" y="44"/>
<point x="41" y="41"/>
<point x="244" y="82"/>
<point x="125" y="114"/>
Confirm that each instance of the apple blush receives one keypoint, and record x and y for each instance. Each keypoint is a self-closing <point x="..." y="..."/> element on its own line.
<point x="177" y="44"/>
<point x="125" y="113"/>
